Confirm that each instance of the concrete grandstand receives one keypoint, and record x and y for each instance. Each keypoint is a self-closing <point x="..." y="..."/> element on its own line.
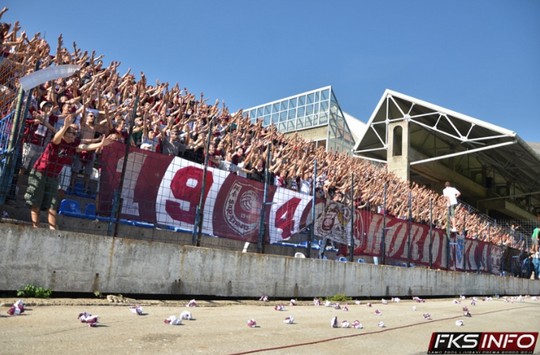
<point x="153" y="201"/>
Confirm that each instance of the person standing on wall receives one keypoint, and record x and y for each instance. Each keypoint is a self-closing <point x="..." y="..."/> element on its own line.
<point x="451" y="194"/>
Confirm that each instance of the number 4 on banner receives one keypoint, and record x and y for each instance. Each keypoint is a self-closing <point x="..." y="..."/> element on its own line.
<point x="285" y="217"/>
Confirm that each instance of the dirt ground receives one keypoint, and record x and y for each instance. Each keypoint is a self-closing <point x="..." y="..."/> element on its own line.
<point x="220" y="327"/>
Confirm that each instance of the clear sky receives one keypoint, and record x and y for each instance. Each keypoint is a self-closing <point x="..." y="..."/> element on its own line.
<point x="477" y="57"/>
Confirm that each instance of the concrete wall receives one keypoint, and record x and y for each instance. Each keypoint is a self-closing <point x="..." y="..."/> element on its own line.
<point x="71" y="262"/>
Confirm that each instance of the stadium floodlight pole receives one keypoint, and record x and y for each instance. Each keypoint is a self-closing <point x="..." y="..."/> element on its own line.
<point x="197" y="226"/>
<point x="409" y="224"/>
<point x="351" y="241"/>
<point x="262" y="229"/>
<point x="311" y="233"/>
<point x="383" y="238"/>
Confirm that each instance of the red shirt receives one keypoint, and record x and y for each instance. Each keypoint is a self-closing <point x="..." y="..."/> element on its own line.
<point x="215" y="156"/>
<point x="121" y="136"/>
<point x="35" y="134"/>
<point x="55" y="157"/>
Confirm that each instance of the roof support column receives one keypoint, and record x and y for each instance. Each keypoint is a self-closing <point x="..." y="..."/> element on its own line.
<point x="398" y="149"/>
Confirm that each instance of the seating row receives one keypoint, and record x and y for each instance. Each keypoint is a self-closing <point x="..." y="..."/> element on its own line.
<point x="72" y="208"/>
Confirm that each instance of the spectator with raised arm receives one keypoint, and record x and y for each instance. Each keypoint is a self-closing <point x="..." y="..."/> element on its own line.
<point x="84" y="160"/>
<point x="43" y="180"/>
<point x="163" y="108"/>
<point x="38" y="132"/>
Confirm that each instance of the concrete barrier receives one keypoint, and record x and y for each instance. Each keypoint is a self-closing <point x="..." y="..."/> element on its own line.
<point x="74" y="262"/>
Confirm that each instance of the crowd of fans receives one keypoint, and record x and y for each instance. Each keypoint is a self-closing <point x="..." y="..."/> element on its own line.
<point x="171" y="120"/>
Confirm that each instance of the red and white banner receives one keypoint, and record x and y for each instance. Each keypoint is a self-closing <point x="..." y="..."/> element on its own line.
<point x="166" y="191"/>
<point x="475" y="255"/>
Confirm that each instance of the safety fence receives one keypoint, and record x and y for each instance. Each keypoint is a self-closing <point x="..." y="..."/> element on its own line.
<point x="152" y="190"/>
<point x="145" y="189"/>
<point x="10" y="71"/>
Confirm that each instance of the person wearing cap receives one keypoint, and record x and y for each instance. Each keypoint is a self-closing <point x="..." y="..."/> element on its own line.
<point x="38" y="131"/>
<point x="43" y="180"/>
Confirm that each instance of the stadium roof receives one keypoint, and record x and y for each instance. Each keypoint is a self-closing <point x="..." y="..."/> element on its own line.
<point x="443" y="141"/>
<point x="356" y="126"/>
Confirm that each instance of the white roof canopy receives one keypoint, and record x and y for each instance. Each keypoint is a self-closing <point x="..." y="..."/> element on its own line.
<point x="462" y="143"/>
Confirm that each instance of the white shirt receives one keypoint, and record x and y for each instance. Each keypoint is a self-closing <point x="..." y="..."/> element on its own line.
<point x="305" y="186"/>
<point x="451" y="194"/>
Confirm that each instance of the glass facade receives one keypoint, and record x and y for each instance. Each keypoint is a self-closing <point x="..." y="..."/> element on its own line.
<point x="309" y="110"/>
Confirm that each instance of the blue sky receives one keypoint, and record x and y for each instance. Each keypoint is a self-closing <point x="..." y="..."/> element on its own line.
<point x="480" y="58"/>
